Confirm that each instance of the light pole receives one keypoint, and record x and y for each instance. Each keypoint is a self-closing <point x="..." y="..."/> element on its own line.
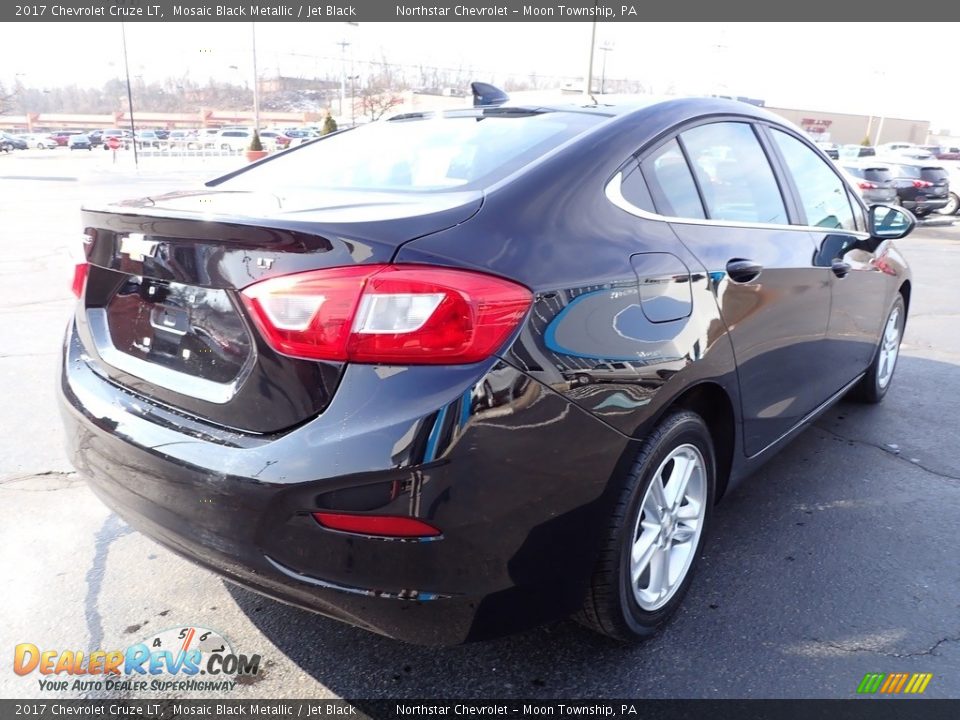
<point x="607" y="46"/>
<point x="256" y="79"/>
<point x="126" y="67"/>
<point x="343" y="76"/>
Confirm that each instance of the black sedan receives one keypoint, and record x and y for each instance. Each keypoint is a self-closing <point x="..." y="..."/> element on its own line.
<point x="80" y="142"/>
<point x="449" y="376"/>
<point x="12" y="142"/>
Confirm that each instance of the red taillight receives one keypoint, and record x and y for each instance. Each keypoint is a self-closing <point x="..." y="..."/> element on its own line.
<point x="922" y="184"/>
<point x="864" y="185"/>
<point x="79" y="278"/>
<point x="395" y="314"/>
<point x="378" y="525"/>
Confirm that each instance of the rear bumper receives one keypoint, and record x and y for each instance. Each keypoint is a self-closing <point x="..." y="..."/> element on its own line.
<point x="926" y="205"/>
<point x="515" y="477"/>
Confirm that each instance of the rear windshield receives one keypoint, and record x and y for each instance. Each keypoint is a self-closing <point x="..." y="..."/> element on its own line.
<point x="454" y="151"/>
<point x="908" y="171"/>
<point x="873" y="174"/>
<point x="933" y="174"/>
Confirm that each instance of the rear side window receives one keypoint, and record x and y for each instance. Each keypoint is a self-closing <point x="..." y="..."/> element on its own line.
<point x="635" y="191"/>
<point x="671" y="184"/>
<point x="823" y="195"/>
<point x="734" y="174"/>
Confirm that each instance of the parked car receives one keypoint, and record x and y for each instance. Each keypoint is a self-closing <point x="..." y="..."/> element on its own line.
<point x="953" y="198"/>
<point x="873" y="180"/>
<point x="96" y="137"/>
<point x="831" y="150"/>
<point x="14" y="142"/>
<point x="147" y="139"/>
<point x="299" y="136"/>
<point x="279" y="140"/>
<point x="948" y="153"/>
<point x="39" y="141"/>
<point x="124" y="136"/>
<point x="63" y="136"/>
<point x="358" y="396"/>
<point x="234" y="140"/>
<point x="850" y="151"/>
<point x="183" y="139"/>
<point x="903" y="151"/>
<point x="922" y="188"/>
<point x="80" y="142"/>
<point x="5" y="145"/>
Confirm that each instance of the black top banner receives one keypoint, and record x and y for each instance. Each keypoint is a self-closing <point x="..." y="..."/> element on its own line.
<point x="397" y="709"/>
<point x="469" y="11"/>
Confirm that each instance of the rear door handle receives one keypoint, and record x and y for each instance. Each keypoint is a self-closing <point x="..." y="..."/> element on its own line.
<point x="742" y="271"/>
<point x="840" y="268"/>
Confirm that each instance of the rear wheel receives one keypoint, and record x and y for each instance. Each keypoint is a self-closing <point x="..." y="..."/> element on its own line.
<point x="657" y="532"/>
<point x="952" y="206"/>
<point x="874" y="385"/>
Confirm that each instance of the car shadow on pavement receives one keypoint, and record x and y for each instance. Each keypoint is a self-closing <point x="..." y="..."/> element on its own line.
<point x="821" y="566"/>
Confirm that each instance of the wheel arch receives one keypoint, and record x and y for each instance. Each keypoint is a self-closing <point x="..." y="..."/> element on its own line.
<point x="711" y="402"/>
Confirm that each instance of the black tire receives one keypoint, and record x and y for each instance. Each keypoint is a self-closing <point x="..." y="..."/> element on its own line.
<point x="871" y="388"/>
<point x="610" y="607"/>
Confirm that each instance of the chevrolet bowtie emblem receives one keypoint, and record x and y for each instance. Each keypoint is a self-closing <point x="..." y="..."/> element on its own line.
<point x="137" y="247"/>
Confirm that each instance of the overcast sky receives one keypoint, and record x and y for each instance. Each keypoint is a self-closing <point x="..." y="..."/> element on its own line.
<point x="819" y="66"/>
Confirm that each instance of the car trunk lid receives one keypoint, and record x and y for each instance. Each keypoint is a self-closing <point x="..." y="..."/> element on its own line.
<point x="160" y="312"/>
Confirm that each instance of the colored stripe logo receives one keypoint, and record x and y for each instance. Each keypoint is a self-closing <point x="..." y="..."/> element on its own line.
<point x="894" y="683"/>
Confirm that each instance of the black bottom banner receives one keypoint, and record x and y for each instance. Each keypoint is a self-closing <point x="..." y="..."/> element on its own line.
<point x="885" y="709"/>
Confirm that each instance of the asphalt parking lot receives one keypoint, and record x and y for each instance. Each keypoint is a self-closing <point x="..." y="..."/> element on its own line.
<point x="839" y="558"/>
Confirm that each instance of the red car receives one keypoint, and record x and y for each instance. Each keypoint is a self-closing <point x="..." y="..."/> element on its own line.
<point x="63" y="136"/>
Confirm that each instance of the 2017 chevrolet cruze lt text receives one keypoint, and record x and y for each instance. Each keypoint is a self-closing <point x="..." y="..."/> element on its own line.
<point x="452" y="375"/>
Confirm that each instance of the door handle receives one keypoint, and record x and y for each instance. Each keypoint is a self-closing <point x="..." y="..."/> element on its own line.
<point x="742" y="271"/>
<point x="840" y="268"/>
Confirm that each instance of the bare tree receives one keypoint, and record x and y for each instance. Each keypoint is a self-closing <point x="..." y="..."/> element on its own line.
<point x="376" y="101"/>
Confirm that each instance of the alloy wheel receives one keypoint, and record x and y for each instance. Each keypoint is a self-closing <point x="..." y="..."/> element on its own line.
<point x="889" y="349"/>
<point x="668" y="527"/>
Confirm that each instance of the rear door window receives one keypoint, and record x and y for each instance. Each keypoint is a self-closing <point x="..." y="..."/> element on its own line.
<point x="734" y="175"/>
<point x="823" y="194"/>
<point x="671" y="184"/>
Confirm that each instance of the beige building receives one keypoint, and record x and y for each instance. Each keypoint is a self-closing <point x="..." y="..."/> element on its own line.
<point x="842" y="128"/>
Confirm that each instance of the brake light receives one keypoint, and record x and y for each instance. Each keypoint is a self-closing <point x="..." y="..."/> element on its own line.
<point x="378" y="525"/>
<point x="80" y="271"/>
<point x="393" y="314"/>
<point x="922" y="184"/>
<point x="864" y="185"/>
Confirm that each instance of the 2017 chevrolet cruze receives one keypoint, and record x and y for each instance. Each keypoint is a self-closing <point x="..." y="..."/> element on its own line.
<point x="452" y="375"/>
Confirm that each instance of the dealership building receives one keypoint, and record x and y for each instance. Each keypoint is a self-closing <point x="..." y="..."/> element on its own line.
<point x="843" y="128"/>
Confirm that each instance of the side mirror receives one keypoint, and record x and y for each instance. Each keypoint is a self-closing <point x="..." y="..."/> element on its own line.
<point x="890" y="223"/>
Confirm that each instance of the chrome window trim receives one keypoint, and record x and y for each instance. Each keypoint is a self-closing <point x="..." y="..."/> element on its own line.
<point x="614" y="194"/>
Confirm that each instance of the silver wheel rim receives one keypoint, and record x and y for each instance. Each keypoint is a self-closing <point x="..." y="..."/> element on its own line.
<point x="889" y="349"/>
<point x="668" y="527"/>
<point x="953" y="204"/>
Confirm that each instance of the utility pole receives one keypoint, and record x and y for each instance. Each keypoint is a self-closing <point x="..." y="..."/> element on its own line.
<point x="126" y="66"/>
<point x="593" y="42"/>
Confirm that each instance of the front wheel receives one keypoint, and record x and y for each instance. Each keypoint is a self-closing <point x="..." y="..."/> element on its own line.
<point x="874" y="385"/>
<point x="657" y="532"/>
